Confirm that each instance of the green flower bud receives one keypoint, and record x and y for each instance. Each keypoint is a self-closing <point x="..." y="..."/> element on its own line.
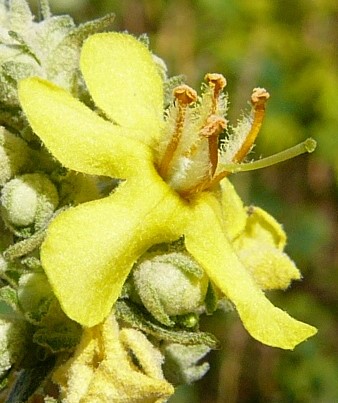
<point x="170" y="284"/>
<point x="34" y="296"/>
<point x="12" y="343"/>
<point x="28" y="202"/>
<point x="14" y="155"/>
<point x="49" y="48"/>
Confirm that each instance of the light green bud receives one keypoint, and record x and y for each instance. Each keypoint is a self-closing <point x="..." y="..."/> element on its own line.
<point x="170" y="284"/>
<point x="34" y="296"/>
<point x="47" y="47"/>
<point x="14" y="155"/>
<point x="12" y="343"/>
<point x="28" y="201"/>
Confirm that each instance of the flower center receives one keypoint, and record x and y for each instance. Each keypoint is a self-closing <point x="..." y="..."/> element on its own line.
<point x="188" y="154"/>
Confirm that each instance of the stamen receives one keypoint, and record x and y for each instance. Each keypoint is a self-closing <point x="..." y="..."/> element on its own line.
<point x="185" y="96"/>
<point x="258" y="99"/>
<point x="215" y="125"/>
<point x="217" y="82"/>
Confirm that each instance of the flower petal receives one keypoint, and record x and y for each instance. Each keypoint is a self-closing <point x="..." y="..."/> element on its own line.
<point x="260" y="248"/>
<point x="206" y="241"/>
<point x="101" y="369"/>
<point x="271" y="268"/>
<point x="262" y="226"/>
<point x="78" y="137"/>
<point x="90" y="249"/>
<point x="124" y="82"/>
<point x="234" y="213"/>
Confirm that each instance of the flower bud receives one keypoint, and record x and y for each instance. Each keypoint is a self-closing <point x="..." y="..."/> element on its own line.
<point x="12" y="343"/>
<point x="170" y="284"/>
<point x="14" y="155"/>
<point x="28" y="201"/>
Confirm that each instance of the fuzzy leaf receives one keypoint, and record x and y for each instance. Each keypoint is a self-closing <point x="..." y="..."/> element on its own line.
<point x="134" y="317"/>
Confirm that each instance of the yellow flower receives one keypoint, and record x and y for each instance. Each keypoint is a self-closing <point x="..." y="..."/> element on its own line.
<point x="90" y="249"/>
<point x="101" y="369"/>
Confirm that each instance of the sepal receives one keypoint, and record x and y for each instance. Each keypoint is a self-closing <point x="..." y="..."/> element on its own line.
<point x="182" y="363"/>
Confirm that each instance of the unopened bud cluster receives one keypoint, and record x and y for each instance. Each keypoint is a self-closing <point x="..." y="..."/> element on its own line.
<point x="33" y="186"/>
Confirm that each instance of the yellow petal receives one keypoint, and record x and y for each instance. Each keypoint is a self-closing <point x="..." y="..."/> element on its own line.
<point x="90" y="249"/>
<point x="102" y="370"/>
<point x="260" y="248"/>
<point x="78" y="137"/>
<point x="234" y="213"/>
<point x="75" y="375"/>
<point x="148" y="357"/>
<point x="271" y="268"/>
<point x="262" y="226"/>
<point x="124" y="82"/>
<point x="118" y="379"/>
<point x="206" y="241"/>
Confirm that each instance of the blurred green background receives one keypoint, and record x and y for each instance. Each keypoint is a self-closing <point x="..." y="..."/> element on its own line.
<point x="290" y="48"/>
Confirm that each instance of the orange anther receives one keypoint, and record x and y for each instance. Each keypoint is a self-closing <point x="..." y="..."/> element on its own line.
<point x="259" y="97"/>
<point x="215" y="125"/>
<point x="185" y="94"/>
<point x="218" y="80"/>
